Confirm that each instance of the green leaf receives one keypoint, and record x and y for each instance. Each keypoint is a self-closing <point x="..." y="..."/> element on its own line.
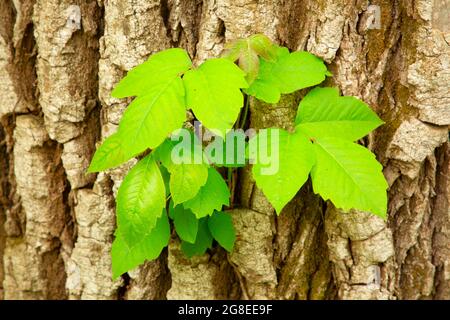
<point x="187" y="177"/>
<point x="213" y="93"/>
<point x="299" y="70"/>
<point x="266" y="87"/>
<point x="164" y="153"/>
<point x="288" y="73"/>
<point x="202" y="243"/>
<point x="161" y="67"/>
<point x="186" y="181"/>
<point x="186" y="224"/>
<point x="149" y="119"/>
<point x="126" y="256"/>
<point x="110" y="154"/>
<point x="221" y="227"/>
<point x="140" y="200"/>
<point x="323" y="113"/>
<point x="349" y="175"/>
<point x="281" y="168"/>
<point x="212" y="196"/>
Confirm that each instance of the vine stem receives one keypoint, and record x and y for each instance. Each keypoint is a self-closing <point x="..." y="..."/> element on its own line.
<point x="231" y="172"/>
<point x="243" y="119"/>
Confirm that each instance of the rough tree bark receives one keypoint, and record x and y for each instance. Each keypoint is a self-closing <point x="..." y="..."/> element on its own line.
<point x="60" y="59"/>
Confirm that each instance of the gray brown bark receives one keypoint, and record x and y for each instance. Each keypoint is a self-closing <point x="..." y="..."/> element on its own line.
<point x="59" y="61"/>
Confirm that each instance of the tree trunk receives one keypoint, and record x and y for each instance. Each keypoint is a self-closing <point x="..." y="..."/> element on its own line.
<point x="60" y="59"/>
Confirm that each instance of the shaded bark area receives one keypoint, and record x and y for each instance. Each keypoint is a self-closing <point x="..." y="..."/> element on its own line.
<point x="59" y="61"/>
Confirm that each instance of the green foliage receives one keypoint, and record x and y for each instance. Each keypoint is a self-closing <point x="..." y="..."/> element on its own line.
<point x="150" y="118"/>
<point x="157" y="71"/>
<point x="349" y="175"/>
<point x="202" y="242"/>
<point x="212" y="196"/>
<point x="221" y="227"/>
<point x="289" y="72"/>
<point x="140" y="200"/>
<point x="179" y="173"/>
<point x="341" y="171"/>
<point x="296" y="158"/>
<point x="213" y="93"/>
<point x="186" y="181"/>
<point x="126" y="256"/>
<point x="323" y="113"/>
<point x="346" y="173"/>
<point x="109" y="154"/>
<point x="185" y="222"/>
<point x="186" y="177"/>
<point x="158" y="109"/>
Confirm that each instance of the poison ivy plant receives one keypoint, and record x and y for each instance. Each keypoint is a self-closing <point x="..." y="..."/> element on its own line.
<point x="179" y="179"/>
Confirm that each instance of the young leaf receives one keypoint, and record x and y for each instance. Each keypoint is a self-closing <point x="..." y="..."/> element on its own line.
<point x="186" y="224"/>
<point x="161" y="67"/>
<point x="247" y="51"/>
<point x="186" y="181"/>
<point x="126" y="256"/>
<point x="149" y="119"/>
<point x="232" y="50"/>
<point x="249" y="62"/>
<point x="186" y="177"/>
<point x="262" y="45"/>
<point x="221" y="227"/>
<point x="266" y="87"/>
<point x="140" y="200"/>
<point x="202" y="243"/>
<point x="288" y="73"/>
<point x="323" y="113"/>
<point x="280" y="173"/>
<point x="213" y="93"/>
<point x="212" y="196"/>
<point x="349" y="175"/>
<point x="110" y="154"/>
